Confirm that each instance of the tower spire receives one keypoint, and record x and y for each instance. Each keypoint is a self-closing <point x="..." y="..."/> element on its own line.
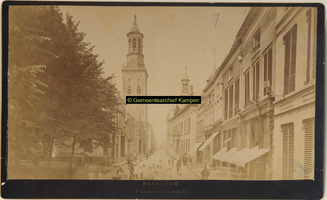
<point x="135" y="23"/>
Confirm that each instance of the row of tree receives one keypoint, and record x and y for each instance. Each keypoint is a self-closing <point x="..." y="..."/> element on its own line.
<point x="57" y="88"/>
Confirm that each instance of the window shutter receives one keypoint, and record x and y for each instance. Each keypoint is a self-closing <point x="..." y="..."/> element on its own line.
<point x="293" y="59"/>
<point x="314" y="44"/>
<point x="309" y="148"/>
<point x="288" y="151"/>
<point x="290" y="40"/>
<point x="226" y="104"/>
<point x="253" y="82"/>
<point x="309" y="19"/>
<point x="270" y="66"/>
<point x="257" y="76"/>
<point x="247" y="87"/>
<point x="231" y="101"/>
<point x="287" y="65"/>
<point x="237" y="90"/>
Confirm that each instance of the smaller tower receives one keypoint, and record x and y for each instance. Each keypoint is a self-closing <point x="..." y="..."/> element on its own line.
<point x="214" y="65"/>
<point x="185" y="81"/>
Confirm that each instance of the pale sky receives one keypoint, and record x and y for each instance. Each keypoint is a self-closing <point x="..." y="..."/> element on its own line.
<point x="172" y="35"/>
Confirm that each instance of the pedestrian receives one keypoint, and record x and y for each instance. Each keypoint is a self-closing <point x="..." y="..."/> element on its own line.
<point x="190" y="159"/>
<point x="173" y="161"/>
<point x="136" y="169"/>
<point x="128" y="160"/>
<point x="120" y="172"/>
<point x="149" y="174"/>
<point x="205" y="173"/>
<point x="184" y="159"/>
<point x="131" y="171"/>
<point x="178" y="165"/>
<point x="140" y="168"/>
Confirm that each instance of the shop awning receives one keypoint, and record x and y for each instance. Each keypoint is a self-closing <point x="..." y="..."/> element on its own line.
<point x="234" y="158"/>
<point x="219" y="153"/>
<point x="208" y="141"/>
<point x="195" y="147"/>
<point x="227" y="140"/>
<point x="251" y="155"/>
<point x="224" y="157"/>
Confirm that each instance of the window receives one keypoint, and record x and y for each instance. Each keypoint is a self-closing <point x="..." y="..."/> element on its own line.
<point x="308" y="46"/>
<point x="231" y="101"/>
<point x="139" y="45"/>
<point x="290" y="60"/>
<point x="129" y="87"/>
<point x="230" y="72"/>
<point x="237" y="95"/>
<point x="138" y="89"/>
<point x="256" y="42"/>
<point x="288" y="151"/>
<point x="247" y="88"/>
<point x="234" y="138"/>
<point x="309" y="146"/>
<point x="188" y="124"/>
<point x="255" y="78"/>
<point x="314" y="43"/>
<point x="226" y="104"/>
<point x="311" y="45"/>
<point x="267" y="77"/>
<point x="134" y="44"/>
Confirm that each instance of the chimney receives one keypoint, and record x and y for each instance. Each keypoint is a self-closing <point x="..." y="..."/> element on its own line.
<point x="191" y="90"/>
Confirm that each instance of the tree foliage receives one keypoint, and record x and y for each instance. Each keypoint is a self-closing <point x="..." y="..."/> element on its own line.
<point x="57" y="89"/>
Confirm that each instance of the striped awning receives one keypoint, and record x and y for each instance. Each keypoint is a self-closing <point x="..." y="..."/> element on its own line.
<point x="208" y="141"/>
<point x="195" y="147"/>
<point x="224" y="157"/>
<point x="234" y="158"/>
<point x="219" y="154"/>
<point x="252" y="154"/>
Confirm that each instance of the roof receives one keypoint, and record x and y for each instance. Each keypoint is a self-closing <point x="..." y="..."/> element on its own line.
<point x="185" y="77"/>
<point x="135" y="28"/>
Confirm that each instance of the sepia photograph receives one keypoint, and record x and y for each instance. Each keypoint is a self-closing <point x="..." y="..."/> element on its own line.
<point x="71" y="69"/>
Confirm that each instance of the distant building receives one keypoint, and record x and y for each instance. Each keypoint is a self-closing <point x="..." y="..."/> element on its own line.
<point x="181" y="124"/>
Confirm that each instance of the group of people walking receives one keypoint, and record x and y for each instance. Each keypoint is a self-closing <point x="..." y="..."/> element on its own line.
<point x="160" y="167"/>
<point x="185" y="160"/>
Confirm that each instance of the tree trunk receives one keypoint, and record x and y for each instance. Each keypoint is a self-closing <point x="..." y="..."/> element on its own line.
<point x="51" y="151"/>
<point x="73" y="152"/>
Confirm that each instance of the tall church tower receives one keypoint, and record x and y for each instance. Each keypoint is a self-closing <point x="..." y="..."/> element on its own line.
<point x="134" y="72"/>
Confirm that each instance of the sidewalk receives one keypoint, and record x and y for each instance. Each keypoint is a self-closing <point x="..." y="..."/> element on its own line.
<point x="215" y="174"/>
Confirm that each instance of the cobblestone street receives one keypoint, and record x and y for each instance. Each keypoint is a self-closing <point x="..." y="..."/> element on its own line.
<point x="156" y="167"/>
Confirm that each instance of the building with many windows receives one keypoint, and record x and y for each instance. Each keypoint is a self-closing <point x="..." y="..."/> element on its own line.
<point x="181" y="124"/>
<point x="258" y="107"/>
<point x="294" y="114"/>
<point x="210" y="118"/>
